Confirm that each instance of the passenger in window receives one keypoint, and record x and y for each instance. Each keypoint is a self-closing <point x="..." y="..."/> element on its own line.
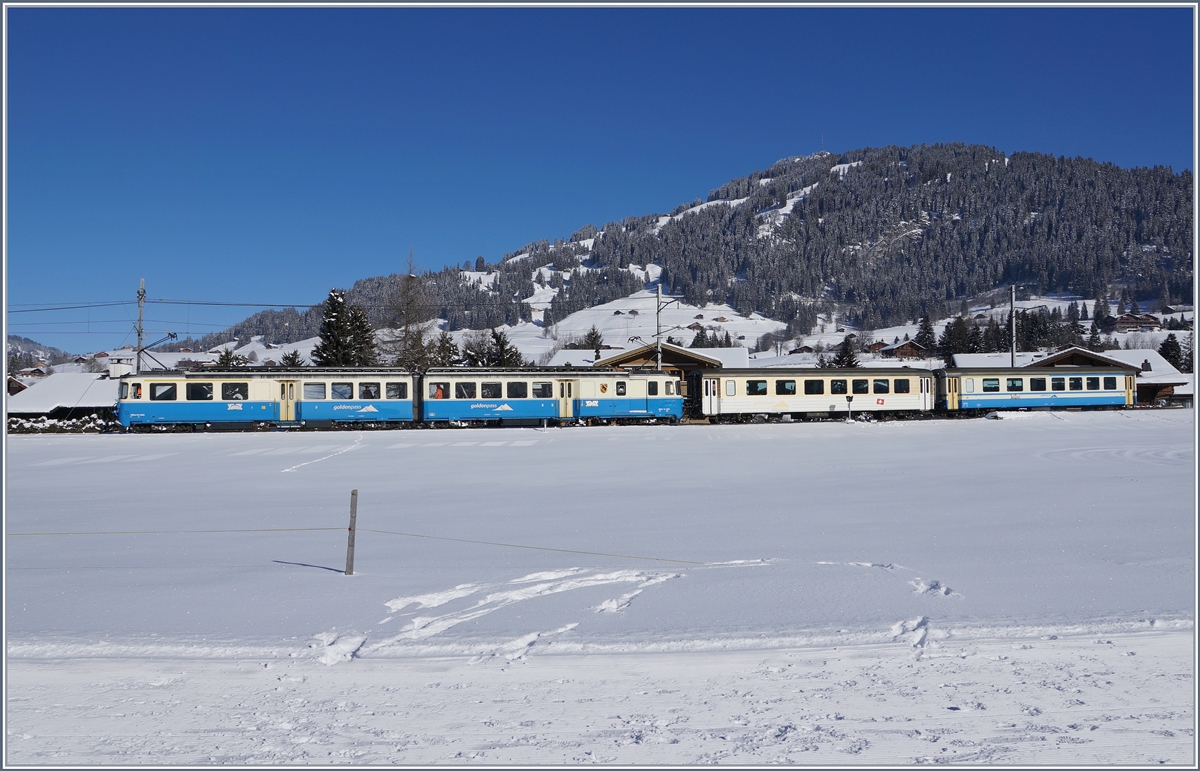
<point x="439" y="390"/>
<point x="368" y="390"/>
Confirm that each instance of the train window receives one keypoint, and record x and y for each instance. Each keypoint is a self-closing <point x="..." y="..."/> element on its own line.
<point x="490" y="391"/>
<point x="968" y="385"/>
<point x="464" y="390"/>
<point x="1076" y="383"/>
<point x="518" y="390"/>
<point x="162" y="392"/>
<point x="621" y="388"/>
<point x="1058" y="384"/>
<point x="785" y="387"/>
<point x="1093" y="384"/>
<point x="652" y="388"/>
<point x="543" y="390"/>
<point x="991" y="385"/>
<point x="902" y="386"/>
<point x="439" y="390"/>
<point x="395" y="390"/>
<point x="859" y="386"/>
<point x="310" y="391"/>
<point x="341" y="390"/>
<point x="837" y="386"/>
<point x="240" y="392"/>
<point x="124" y="391"/>
<point x="1110" y="384"/>
<point x="1037" y="384"/>
<point x="670" y="388"/>
<point x="1014" y="384"/>
<point x="812" y="387"/>
<point x="199" y="392"/>
<point x="731" y="388"/>
<point x="880" y="386"/>
<point x="756" y="388"/>
<point x="368" y="390"/>
<point x="135" y="390"/>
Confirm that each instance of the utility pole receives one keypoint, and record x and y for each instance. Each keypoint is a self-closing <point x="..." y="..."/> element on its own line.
<point x="1012" y="317"/>
<point x="137" y="367"/>
<point x="658" y="326"/>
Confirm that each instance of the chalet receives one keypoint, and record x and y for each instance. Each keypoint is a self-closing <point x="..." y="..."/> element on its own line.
<point x="909" y="349"/>
<point x="1177" y="308"/>
<point x="877" y="346"/>
<point x="1144" y="322"/>
<point x="801" y="349"/>
<point x="695" y="326"/>
<point x="15" y="386"/>
<point x="65" y="395"/>
<point x="721" y="320"/>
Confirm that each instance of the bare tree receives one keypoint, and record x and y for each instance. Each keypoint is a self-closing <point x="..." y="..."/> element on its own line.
<point x="409" y="317"/>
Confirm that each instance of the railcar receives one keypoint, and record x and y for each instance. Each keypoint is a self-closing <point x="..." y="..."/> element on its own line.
<point x="997" y="388"/>
<point x="742" y="394"/>
<point x="247" y="397"/>
<point x="550" y="394"/>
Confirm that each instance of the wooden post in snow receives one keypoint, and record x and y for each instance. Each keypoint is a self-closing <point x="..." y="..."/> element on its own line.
<point x="350" y="537"/>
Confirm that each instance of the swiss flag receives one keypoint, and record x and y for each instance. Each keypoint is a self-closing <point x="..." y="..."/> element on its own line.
<point x="879" y="401"/>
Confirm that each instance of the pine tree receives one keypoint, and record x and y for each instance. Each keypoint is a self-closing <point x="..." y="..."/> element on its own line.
<point x="925" y="336"/>
<point x="335" y="348"/>
<point x="503" y="353"/>
<point x="1185" y="364"/>
<point x="1171" y="351"/>
<point x="445" y="351"/>
<point x="362" y="338"/>
<point x="229" y="360"/>
<point x="1094" y="343"/>
<point x="845" y="358"/>
<point x="292" y="359"/>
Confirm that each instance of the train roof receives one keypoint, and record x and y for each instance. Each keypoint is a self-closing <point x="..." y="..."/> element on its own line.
<point x="816" y="372"/>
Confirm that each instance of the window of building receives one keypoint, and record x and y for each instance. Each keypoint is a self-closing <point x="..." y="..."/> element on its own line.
<point x="991" y="385"/>
<point x="162" y="392"/>
<point x="341" y="390"/>
<point x="543" y="390"/>
<point x="490" y="391"/>
<point x="439" y="390"/>
<point x="464" y="390"/>
<point x="1037" y="384"/>
<point x="860" y="386"/>
<point x="814" y="387"/>
<point x="837" y="386"/>
<point x="1110" y="384"/>
<point x="652" y="387"/>
<point x="880" y="386"/>
<point x="1093" y="384"/>
<point x="1058" y="384"/>
<point x="1014" y="384"/>
<point x="902" y="385"/>
<point x="199" y="392"/>
<point x="785" y="387"/>
<point x="756" y="388"/>
<point x="731" y="388"/>
<point x="311" y="391"/>
<point x="395" y="390"/>
<point x="1076" y="383"/>
<point x="518" y="389"/>
<point x="368" y="390"/>
<point x="621" y="388"/>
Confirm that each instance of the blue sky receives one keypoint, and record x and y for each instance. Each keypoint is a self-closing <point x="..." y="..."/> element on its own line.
<point x="266" y="155"/>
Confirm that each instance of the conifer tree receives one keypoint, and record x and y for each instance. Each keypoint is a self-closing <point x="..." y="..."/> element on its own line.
<point x="845" y="358"/>
<point x="1094" y="343"/>
<point x="503" y="353"/>
<point x="362" y="338"/>
<point x="445" y="351"/>
<point x="347" y="339"/>
<point x="925" y="336"/>
<point x="292" y="359"/>
<point x="1171" y="351"/>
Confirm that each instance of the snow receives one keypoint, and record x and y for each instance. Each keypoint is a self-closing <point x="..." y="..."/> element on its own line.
<point x="63" y="389"/>
<point x="841" y="168"/>
<point x="663" y="220"/>
<point x="1019" y="590"/>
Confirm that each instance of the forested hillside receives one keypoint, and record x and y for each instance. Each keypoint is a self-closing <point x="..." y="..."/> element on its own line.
<point x="883" y="235"/>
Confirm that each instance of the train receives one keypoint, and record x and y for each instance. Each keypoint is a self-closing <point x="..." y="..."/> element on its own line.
<point x="314" y="397"/>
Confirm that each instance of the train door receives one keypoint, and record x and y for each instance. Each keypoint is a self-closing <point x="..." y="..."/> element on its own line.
<point x="287" y="399"/>
<point x="1130" y="394"/>
<point x="712" y="394"/>
<point x="926" y="393"/>
<point x="566" y="399"/>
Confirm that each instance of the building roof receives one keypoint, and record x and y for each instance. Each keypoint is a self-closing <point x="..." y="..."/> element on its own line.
<point x="64" y="389"/>
<point x="710" y="357"/>
<point x="903" y="344"/>
<point x="1135" y="356"/>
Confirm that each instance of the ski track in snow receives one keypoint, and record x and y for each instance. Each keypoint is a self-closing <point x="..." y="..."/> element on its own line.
<point x="1083" y="701"/>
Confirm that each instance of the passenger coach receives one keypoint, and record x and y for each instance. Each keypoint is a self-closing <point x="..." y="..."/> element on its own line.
<point x="311" y="396"/>
<point x="770" y="392"/>
<point x="512" y="396"/>
<point x="1009" y="388"/>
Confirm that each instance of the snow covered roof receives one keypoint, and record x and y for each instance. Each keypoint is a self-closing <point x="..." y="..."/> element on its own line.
<point x="1135" y="356"/>
<point x="64" y="389"/>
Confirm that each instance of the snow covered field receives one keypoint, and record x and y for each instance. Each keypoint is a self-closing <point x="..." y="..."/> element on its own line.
<point x="1014" y="591"/>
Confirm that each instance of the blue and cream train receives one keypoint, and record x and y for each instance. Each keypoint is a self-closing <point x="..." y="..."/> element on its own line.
<point x="316" y="397"/>
<point x="319" y="397"/>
